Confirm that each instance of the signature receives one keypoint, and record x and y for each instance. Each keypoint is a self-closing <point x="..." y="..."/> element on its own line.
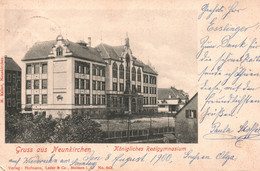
<point x="248" y="133"/>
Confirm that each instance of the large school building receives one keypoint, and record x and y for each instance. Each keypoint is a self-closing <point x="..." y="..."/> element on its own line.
<point x="61" y="78"/>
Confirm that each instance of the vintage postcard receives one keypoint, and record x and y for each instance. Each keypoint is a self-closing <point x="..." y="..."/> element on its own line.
<point x="129" y="85"/>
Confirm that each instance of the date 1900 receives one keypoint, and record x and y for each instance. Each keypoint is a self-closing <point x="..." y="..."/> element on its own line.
<point x="161" y="158"/>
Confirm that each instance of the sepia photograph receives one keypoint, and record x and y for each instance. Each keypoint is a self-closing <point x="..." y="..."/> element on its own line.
<point x="101" y="76"/>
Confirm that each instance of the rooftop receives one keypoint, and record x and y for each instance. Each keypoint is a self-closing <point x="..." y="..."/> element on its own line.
<point x="11" y="65"/>
<point x="42" y="50"/>
<point x="171" y="94"/>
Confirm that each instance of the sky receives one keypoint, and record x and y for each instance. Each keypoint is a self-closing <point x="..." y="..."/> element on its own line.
<point x="166" y="39"/>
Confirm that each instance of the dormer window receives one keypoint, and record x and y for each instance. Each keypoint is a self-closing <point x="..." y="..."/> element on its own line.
<point x="59" y="51"/>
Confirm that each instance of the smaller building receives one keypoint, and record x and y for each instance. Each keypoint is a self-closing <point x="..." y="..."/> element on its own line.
<point x="12" y="85"/>
<point x="186" y="122"/>
<point x="170" y="100"/>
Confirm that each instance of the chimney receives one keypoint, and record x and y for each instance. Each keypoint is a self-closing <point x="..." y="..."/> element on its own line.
<point x="89" y="41"/>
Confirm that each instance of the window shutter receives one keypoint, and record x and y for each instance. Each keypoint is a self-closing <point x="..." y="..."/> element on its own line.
<point x="195" y="113"/>
<point x="187" y="113"/>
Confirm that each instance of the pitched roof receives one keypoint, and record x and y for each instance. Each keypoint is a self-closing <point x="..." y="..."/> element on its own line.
<point x="170" y="94"/>
<point x="149" y="70"/>
<point x="85" y="52"/>
<point x="196" y="95"/>
<point x="11" y="65"/>
<point x="41" y="50"/>
<point x="114" y="52"/>
<point x="107" y="51"/>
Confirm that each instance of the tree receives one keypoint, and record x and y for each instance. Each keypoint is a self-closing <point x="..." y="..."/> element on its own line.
<point x="76" y="129"/>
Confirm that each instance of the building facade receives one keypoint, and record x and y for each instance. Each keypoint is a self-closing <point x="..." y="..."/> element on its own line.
<point x="63" y="78"/>
<point x="186" y="122"/>
<point x="171" y="100"/>
<point x="12" y="86"/>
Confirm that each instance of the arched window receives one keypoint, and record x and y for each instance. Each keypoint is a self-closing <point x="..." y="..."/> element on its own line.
<point x="133" y="74"/>
<point x="114" y="70"/>
<point x="121" y="71"/>
<point x="127" y="60"/>
<point x="139" y="74"/>
<point x="59" y="51"/>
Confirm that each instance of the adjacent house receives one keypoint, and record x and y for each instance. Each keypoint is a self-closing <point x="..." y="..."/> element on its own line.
<point x="186" y="122"/>
<point x="62" y="78"/>
<point x="170" y="100"/>
<point x="12" y="86"/>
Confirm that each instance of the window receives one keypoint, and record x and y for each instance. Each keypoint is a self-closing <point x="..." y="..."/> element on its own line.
<point x="36" y="68"/>
<point x="128" y="73"/>
<point x="44" y="84"/>
<point x="139" y="89"/>
<point x="93" y="69"/>
<point x="94" y="85"/>
<point x="59" y="51"/>
<point x="114" y="69"/>
<point x="76" y="99"/>
<point x="36" y="84"/>
<point x="103" y="100"/>
<point x="36" y="99"/>
<point x="98" y="99"/>
<point x="87" y="84"/>
<point x="81" y="83"/>
<point x="133" y="88"/>
<point x="14" y="89"/>
<point x="87" y="99"/>
<point x="191" y="114"/>
<point x="150" y="90"/>
<point x="152" y="80"/>
<point x="114" y="86"/>
<point x="9" y="77"/>
<point x="103" y="85"/>
<point x="28" y="99"/>
<point x="139" y="74"/>
<point x="44" y="68"/>
<point x="76" y="67"/>
<point x="81" y="68"/>
<point x="98" y="85"/>
<point x="28" y="69"/>
<point x="94" y="99"/>
<point x="76" y="83"/>
<point x="102" y="71"/>
<point x="121" y="86"/>
<point x="44" y="99"/>
<point x="144" y="100"/>
<point x="97" y="71"/>
<point x="14" y="77"/>
<point x="121" y="71"/>
<point x="81" y="98"/>
<point x="18" y="83"/>
<point x="145" y="78"/>
<point x="86" y="68"/>
<point x="28" y="84"/>
<point x="133" y="74"/>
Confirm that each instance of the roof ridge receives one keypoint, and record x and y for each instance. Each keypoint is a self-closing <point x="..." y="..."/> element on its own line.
<point x="187" y="103"/>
